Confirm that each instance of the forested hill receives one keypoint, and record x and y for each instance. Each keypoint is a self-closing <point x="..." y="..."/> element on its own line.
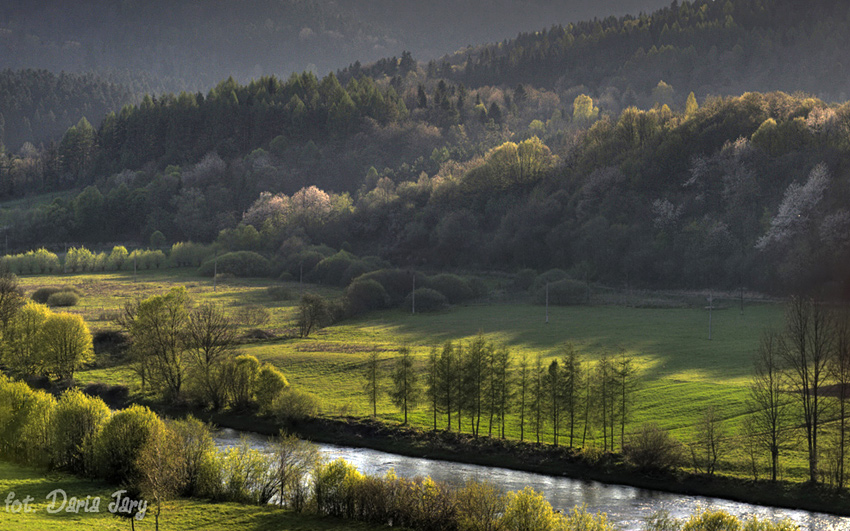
<point x="39" y="106"/>
<point x="719" y="47"/>
<point x="173" y="45"/>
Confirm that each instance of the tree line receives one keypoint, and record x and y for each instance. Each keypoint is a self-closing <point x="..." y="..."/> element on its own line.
<point x="465" y="383"/>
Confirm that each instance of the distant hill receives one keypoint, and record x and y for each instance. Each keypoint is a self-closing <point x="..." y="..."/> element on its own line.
<point x="38" y="106"/>
<point x="710" y="47"/>
<point x="192" y="44"/>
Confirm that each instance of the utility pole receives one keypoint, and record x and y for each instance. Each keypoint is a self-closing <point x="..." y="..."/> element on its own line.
<point x="413" y="295"/>
<point x="710" y="307"/>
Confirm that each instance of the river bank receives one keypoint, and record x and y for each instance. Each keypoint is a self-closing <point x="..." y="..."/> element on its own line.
<point x="528" y="457"/>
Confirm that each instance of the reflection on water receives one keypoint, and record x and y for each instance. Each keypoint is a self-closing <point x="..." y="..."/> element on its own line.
<point x="625" y="506"/>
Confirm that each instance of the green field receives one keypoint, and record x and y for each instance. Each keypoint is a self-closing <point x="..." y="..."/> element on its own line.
<point x="681" y="371"/>
<point x="183" y="514"/>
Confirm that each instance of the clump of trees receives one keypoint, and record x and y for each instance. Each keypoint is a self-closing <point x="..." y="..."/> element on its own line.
<point x="181" y="352"/>
<point x="37" y="341"/>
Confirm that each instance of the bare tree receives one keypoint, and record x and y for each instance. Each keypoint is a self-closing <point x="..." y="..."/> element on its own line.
<point x="707" y="449"/>
<point x="538" y="396"/>
<point x="840" y="370"/>
<point x="768" y="401"/>
<point x="553" y="388"/>
<point x="625" y="380"/>
<point x="210" y="338"/>
<point x="806" y="351"/>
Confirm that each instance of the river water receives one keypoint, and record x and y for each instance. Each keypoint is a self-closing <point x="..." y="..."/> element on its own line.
<point x="627" y="507"/>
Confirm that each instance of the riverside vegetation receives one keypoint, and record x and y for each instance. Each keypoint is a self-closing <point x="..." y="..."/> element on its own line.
<point x="160" y="460"/>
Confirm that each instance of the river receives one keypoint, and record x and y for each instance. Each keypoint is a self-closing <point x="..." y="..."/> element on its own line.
<point x="627" y="507"/>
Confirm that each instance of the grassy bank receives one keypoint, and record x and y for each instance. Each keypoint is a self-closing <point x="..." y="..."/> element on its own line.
<point x="183" y="514"/>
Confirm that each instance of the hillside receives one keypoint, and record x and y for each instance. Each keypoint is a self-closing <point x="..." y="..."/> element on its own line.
<point x="705" y="46"/>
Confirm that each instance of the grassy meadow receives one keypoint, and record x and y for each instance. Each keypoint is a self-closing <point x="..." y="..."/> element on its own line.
<point x="681" y="372"/>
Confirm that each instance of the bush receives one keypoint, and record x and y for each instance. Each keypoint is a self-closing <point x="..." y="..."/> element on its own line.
<point x="269" y="385"/>
<point x="331" y="270"/>
<point x="188" y="254"/>
<point x="551" y="276"/>
<point x="238" y="264"/>
<point x="293" y="405"/>
<point x="427" y="300"/>
<point x="363" y="296"/>
<point x="63" y="298"/>
<point x="455" y="288"/>
<point x="712" y="521"/>
<point x="524" y="279"/>
<point x="75" y="425"/>
<point x="280" y="293"/>
<point x="42" y="294"/>
<point x="122" y="438"/>
<point x="565" y="292"/>
<point x="397" y="282"/>
<point x="242" y="372"/>
<point x="652" y="448"/>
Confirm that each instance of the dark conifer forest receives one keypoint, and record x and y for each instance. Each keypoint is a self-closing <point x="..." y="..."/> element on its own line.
<point x="702" y="144"/>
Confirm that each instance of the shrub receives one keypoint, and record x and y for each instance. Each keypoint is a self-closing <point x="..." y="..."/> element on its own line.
<point x="528" y="510"/>
<point x="63" y="298"/>
<point x="551" y="276"/>
<point x="238" y="264"/>
<point x="197" y="451"/>
<point x="652" y="448"/>
<point x="75" y="425"/>
<point x="269" y="385"/>
<point x="427" y="300"/>
<point x="453" y="287"/>
<point x="524" y="279"/>
<point x="25" y="433"/>
<point x="331" y="270"/>
<point x="293" y="405"/>
<point x="42" y="294"/>
<point x="188" y="254"/>
<point x="397" y="282"/>
<point x="479" y="288"/>
<point x="712" y="521"/>
<point x="122" y="438"/>
<point x="242" y="377"/>
<point x="280" y="293"/>
<point x="363" y="296"/>
<point x="565" y="292"/>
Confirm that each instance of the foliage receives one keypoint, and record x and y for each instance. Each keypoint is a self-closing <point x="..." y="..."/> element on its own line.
<point x="63" y="298"/>
<point x="121" y="441"/>
<point x="238" y="264"/>
<point x="76" y="424"/>
<point x="66" y="344"/>
<point x="364" y="295"/>
<point x="269" y="386"/>
<point x="456" y="289"/>
<point x="426" y="300"/>
<point x="564" y="292"/>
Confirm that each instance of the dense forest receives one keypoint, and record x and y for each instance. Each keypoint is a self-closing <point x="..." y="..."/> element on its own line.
<point x="410" y="163"/>
<point x="705" y="46"/>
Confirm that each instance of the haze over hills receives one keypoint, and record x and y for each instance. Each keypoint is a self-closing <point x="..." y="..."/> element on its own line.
<point x="163" y="45"/>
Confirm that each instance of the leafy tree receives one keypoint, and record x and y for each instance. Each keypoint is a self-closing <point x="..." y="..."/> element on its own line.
<point x="23" y="340"/>
<point x="691" y="105"/>
<point x="584" y="112"/>
<point x="67" y="344"/>
<point x="270" y="384"/>
<point x="76" y="424"/>
<point x="156" y="326"/>
<point x="405" y="390"/>
<point x="163" y="472"/>
<point x="242" y="372"/>
<point x="120" y="442"/>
